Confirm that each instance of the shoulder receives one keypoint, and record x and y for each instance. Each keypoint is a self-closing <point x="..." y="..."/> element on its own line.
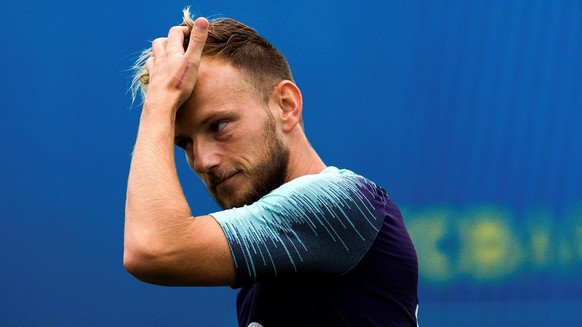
<point x="331" y="190"/>
<point x="329" y="185"/>
<point x="321" y="223"/>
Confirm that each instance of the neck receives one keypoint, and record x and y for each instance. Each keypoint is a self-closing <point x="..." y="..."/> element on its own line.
<point x="303" y="160"/>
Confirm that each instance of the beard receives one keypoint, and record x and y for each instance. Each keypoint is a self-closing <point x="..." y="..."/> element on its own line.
<point x="269" y="172"/>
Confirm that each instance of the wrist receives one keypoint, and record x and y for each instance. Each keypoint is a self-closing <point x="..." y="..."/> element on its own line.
<point x="166" y="102"/>
<point x="158" y="111"/>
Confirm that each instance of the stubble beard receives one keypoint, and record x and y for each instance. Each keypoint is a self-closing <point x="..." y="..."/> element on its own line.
<point x="268" y="174"/>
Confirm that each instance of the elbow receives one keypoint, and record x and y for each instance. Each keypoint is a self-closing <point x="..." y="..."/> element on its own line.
<point x="141" y="253"/>
<point x="155" y="263"/>
<point x="131" y="263"/>
<point x="136" y="264"/>
<point x="143" y="264"/>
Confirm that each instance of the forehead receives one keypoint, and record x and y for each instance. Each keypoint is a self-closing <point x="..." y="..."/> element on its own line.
<point x="216" y="76"/>
<point x="219" y="87"/>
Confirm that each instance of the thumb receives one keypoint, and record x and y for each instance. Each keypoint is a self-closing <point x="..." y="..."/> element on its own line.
<point x="198" y="36"/>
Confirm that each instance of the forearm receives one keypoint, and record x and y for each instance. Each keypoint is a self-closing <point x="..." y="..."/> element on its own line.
<point x="156" y="209"/>
<point x="155" y="202"/>
<point x="163" y="243"/>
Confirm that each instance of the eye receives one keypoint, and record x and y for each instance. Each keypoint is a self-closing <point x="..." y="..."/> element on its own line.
<point x="185" y="144"/>
<point x="219" y="126"/>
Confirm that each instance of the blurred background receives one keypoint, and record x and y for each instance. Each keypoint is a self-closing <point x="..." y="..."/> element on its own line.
<point x="468" y="112"/>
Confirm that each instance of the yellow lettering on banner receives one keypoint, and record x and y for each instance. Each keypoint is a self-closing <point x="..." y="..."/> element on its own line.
<point x="483" y="244"/>
<point x="565" y="254"/>
<point x="489" y="249"/>
<point x="427" y="229"/>
<point x="541" y="246"/>
<point x="575" y="218"/>
<point x="578" y="238"/>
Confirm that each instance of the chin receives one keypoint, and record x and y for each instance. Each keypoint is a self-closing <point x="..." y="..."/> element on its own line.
<point x="227" y="202"/>
<point x="234" y="201"/>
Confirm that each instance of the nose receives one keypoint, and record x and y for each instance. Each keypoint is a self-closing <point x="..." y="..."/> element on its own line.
<point x="205" y="156"/>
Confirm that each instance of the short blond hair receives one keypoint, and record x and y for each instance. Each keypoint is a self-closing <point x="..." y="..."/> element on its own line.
<point x="240" y="45"/>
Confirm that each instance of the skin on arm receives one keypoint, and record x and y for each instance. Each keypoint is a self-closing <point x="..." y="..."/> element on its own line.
<point x="163" y="243"/>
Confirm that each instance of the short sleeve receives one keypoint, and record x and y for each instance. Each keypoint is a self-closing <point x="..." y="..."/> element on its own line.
<point x="315" y="224"/>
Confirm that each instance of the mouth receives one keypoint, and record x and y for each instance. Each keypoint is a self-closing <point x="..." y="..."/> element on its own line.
<point x="225" y="181"/>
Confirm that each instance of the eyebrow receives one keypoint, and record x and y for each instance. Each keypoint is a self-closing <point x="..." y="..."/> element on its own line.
<point x="214" y="115"/>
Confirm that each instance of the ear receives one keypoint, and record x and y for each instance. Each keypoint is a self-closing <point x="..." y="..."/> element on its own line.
<point x="289" y="103"/>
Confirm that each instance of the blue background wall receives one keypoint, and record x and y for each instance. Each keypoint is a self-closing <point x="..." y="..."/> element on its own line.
<point x="468" y="113"/>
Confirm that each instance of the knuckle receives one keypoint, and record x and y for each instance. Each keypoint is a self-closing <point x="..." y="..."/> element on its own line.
<point x="174" y="29"/>
<point x="159" y="41"/>
<point x="198" y="39"/>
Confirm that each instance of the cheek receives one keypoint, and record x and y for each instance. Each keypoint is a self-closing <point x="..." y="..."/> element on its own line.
<point x="258" y="152"/>
<point x="247" y="146"/>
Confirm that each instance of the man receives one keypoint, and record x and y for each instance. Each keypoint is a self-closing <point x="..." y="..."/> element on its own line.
<point x="308" y="245"/>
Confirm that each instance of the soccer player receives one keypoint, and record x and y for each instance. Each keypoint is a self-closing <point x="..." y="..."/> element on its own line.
<point x="307" y="244"/>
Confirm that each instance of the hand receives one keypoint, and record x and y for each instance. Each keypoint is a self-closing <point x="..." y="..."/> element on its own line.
<point x="172" y="69"/>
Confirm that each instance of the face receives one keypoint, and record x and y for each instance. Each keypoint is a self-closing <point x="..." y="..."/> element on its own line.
<point x="230" y="137"/>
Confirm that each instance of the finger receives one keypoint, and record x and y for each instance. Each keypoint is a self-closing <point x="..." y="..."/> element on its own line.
<point x="176" y="36"/>
<point x="198" y="37"/>
<point x="159" y="47"/>
<point x="149" y="65"/>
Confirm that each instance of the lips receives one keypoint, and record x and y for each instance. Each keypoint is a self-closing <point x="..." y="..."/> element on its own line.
<point x="224" y="181"/>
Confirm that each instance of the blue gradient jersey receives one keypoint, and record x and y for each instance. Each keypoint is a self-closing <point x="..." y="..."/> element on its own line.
<point x="323" y="250"/>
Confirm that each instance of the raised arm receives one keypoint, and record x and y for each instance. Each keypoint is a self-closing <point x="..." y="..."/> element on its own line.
<point x="163" y="243"/>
